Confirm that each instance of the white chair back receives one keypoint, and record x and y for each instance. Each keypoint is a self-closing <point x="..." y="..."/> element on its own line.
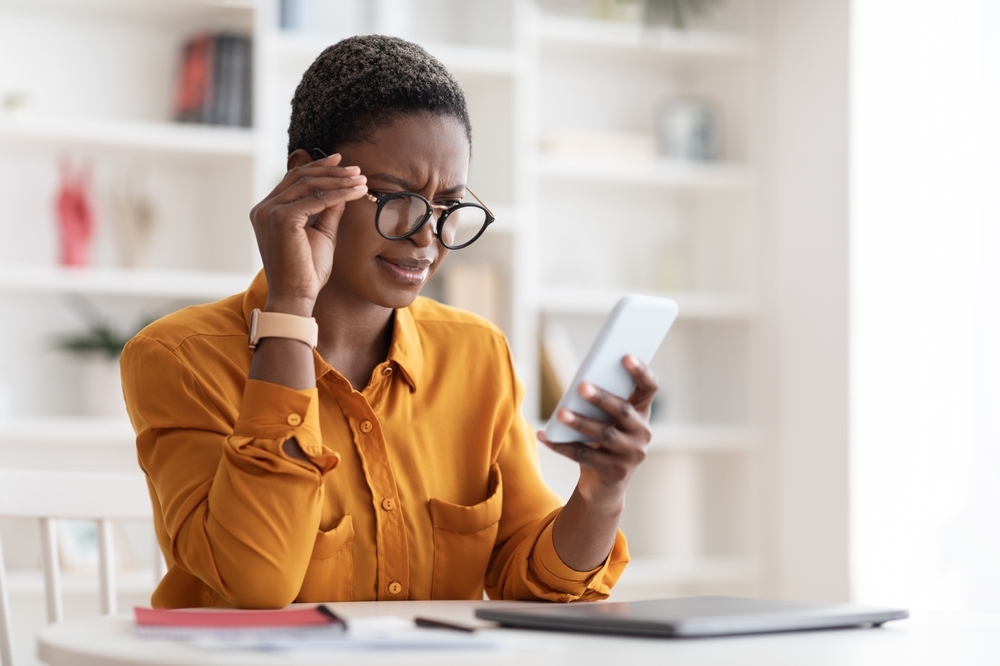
<point x="52" y="495"/>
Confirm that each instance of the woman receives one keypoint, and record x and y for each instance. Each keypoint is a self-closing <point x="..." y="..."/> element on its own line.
<point x="378" y="453"/>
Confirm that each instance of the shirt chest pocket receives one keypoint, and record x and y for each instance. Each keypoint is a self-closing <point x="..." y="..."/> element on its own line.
<point x="330" y="576"/>
<point x="464" y="537"/>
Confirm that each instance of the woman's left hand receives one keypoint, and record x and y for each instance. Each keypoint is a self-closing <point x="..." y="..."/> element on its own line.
<point x="615" y="448"/>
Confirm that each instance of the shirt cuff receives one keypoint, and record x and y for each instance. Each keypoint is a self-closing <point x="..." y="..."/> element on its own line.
<point x="271" y="414"/>
<point x="552" y="571"/>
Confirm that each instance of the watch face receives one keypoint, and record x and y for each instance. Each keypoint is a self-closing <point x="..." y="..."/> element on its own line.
<point x="253" y="328"/>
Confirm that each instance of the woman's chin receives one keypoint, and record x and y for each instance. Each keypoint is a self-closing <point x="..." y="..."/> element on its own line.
<point x="395" y="296"/>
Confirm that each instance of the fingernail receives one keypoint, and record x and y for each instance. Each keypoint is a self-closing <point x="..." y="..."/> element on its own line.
<point x="587" y="390"/>
<point x="360" y="187"/>
<point x="632" y="360"/>
<point x="566" y="416"/>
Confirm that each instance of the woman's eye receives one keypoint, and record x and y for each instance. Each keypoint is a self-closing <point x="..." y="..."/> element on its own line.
<point x="450" y="202"/>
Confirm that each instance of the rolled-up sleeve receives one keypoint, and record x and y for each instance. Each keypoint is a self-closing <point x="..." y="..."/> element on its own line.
<point x="237" y="512"/>
<point x="525" y="564"/>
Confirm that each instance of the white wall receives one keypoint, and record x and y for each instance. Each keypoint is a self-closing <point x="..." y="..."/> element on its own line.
<point x="925" y="295"/>
<point x="804" y="66"/>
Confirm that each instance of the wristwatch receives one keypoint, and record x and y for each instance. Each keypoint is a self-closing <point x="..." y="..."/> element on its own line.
<point x="280" y="325"/>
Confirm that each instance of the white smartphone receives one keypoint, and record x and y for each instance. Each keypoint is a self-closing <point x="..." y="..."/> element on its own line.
<point x="637" y="325"/>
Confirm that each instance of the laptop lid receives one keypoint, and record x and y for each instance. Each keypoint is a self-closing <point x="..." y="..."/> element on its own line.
<point x="689" y="616"/>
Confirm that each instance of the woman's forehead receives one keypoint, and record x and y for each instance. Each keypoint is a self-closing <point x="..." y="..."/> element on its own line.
<point x="416" y="149"/>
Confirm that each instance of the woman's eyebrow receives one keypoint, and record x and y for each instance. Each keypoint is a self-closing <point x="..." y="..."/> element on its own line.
<point x="410" y="187"/>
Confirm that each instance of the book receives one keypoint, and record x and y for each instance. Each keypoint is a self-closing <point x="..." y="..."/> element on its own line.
<point x="230" y="618"/>
<point x="214" y="80"/>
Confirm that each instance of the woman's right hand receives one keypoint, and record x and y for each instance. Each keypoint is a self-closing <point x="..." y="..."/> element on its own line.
<point x="296" y="229"/>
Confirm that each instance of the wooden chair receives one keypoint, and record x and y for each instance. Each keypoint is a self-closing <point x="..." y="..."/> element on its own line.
<point x="53" y="495"/>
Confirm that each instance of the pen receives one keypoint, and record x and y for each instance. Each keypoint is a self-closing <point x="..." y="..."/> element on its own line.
<point x="335" y="619"/>
<point x="440" y="624"/>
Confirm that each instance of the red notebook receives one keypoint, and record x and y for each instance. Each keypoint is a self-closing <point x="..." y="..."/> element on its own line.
<point x="226" y="618"/>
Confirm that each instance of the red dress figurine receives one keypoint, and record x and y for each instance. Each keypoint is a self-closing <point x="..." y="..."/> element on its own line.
<point x="75" y="215"/>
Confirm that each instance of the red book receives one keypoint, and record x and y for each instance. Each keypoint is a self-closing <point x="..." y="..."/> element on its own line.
<point x="195" y="83"/>
<point x="226" y="618"/>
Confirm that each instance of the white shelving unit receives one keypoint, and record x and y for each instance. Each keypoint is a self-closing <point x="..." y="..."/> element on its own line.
<point x="600" y="225"/>
<point x="138" y="136"/>
<point x="693" y="305"/>
<point x="655" y="172"/>
<point x="561" y="31"/>
<point x="112" y="281"/>
<point x="558" y="215"/>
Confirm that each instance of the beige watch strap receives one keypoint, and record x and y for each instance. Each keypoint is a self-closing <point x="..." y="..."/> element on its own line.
<point x="280" y="325"/>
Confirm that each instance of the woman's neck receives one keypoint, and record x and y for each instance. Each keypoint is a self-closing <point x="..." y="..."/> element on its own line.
<point x="354" y="335"/>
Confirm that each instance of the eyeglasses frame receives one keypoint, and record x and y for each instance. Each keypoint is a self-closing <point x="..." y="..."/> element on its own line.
<point x="381" y="199"/>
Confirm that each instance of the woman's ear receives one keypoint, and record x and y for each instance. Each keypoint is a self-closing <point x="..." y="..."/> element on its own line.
<point x="299" y="158"/>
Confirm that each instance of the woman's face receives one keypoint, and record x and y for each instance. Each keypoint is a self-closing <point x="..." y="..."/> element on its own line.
<point x="423" y="153"/>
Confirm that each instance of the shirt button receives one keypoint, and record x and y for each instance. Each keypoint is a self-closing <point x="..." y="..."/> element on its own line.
<point x="386" y="371"/>
<point x="293" y="419"/>
<point x="388" y="504"/>
<point x="366" y="427"/>
<point x="395" y="588"/>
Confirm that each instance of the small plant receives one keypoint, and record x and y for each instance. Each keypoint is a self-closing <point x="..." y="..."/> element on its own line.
<point x="101" y="338"/>
<point x="674" y="13"/>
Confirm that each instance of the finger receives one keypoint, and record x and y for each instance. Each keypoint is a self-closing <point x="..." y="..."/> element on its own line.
<point x="318" y="186"/>
<point x="316" y="168"/>
<point x="623" y="414"/>
<point x="544" y="439"/>
<point x="326" y="166"/>
<point x="581" y="453"/>
<point x="597" y="434"/>
<point x="646" y="383"/>
<point x="328" y="221"/>
<point x="291" y="174"/>
<point x="332" y="160"/>
<point x="299" y="210"/>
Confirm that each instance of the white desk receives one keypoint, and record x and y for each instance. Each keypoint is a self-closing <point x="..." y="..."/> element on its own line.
<point x="926" y="638"/>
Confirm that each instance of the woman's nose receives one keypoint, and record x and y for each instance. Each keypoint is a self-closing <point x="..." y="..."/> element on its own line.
<point x="425" y="234"/>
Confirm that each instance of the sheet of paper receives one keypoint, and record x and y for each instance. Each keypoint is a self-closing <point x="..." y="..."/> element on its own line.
<point x="378" y="633"/>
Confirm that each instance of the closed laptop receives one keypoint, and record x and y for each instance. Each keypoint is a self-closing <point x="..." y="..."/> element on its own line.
<point x="689" y="616"/>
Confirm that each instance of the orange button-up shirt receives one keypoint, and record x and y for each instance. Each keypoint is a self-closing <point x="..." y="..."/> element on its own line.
<point x="425" y="485"/>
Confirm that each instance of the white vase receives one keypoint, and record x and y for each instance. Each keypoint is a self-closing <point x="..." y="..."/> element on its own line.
<point x="101" y="387"/>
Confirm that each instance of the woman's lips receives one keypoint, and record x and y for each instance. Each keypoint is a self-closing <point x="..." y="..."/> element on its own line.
<point x="409" y="272"/>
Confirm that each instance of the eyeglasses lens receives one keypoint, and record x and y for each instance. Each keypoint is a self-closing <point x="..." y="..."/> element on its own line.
<point x="400" y="215"/>
<point x="462" y="225"/>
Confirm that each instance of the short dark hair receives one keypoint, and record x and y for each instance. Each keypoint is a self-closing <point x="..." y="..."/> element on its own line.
<point x="362" y="82"/>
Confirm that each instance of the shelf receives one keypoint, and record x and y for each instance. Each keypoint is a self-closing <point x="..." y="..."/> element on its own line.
<point x="174" y="14"/>
<point x="82" y="430"/>
<point x="131" y="135"/>
<point x="31" y="582"/>
<point x="198" y="285"/>
<point x="458" y="58"/>
<point x="664" y="571"/>
<point x="693" y="306"/>
<point x="693" y="437"/>
<point x="638" y="171"/>
<point x="591" y="34"/>
<point x="702" y="437"/>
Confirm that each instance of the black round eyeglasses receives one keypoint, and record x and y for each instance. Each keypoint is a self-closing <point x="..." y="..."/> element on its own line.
<point x="399" y="215"/>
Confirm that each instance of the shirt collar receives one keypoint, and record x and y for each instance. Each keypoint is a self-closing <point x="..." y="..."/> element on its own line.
<point x="405" y="350"/>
